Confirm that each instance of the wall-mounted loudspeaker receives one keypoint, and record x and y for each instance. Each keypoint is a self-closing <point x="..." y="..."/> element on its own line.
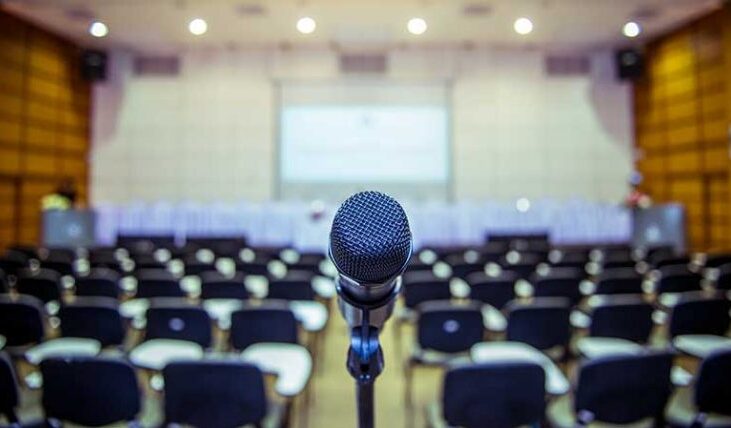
<point x="630" y="64"/>
<point x="93" y="65"/>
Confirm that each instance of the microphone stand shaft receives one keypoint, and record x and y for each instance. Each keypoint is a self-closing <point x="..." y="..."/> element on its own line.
<point x="364" y="394"/>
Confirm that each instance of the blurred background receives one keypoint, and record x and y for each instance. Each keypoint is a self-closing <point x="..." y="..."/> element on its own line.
<point x="193" y="137"/>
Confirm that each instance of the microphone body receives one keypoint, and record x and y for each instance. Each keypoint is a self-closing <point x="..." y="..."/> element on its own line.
<point x="370" y="246"/>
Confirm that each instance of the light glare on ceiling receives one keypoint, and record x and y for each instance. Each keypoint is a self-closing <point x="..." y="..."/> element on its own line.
<point x="631" y="29"/>
<point x="416" y="26"/>
<point x="522" y="205"/>
<point x="98" y="29"/>
<point x="306" y="25"/>
<point x="523" y="26"/>
<point x="198" y="26"/>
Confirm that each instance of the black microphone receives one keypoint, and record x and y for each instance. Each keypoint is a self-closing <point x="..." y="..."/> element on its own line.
<point x="370" y="246"/>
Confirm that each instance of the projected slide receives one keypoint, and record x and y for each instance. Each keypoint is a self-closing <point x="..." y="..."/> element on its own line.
<point x="368" y="143"/>
<point x="364" y="139"/>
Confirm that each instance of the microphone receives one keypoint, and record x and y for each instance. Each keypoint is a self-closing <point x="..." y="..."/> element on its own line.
<point x="370" y="246"/>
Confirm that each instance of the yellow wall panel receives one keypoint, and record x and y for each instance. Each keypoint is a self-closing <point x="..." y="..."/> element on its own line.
<point x="9" y="160"/>
<point x="9" y="131"/>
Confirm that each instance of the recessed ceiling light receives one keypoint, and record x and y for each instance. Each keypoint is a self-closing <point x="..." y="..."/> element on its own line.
<point x="523" y="26"/>
<point x="631" y="29"/>
<point x="306" y="25"/>
<point x="198" y="26"/>
<point x="98" y="29"/>
<point x="416" y="26"/>
<point x="522" y="205"/>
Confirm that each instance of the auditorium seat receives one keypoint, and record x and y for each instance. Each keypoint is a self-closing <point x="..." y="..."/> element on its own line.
<point x="93" y="318"/>
<point x="524" y="264"/>
<point x="173" y="331"/>
<point x="4" y="285"/>
<point x="215" y="285"/>
<point x="12" y="262"/>
<point x="463" y="269"/>
<point x="445" y="332"/>
<point x="558" y="282"/>
<point x="90" y="391"/>
<point x="717" y="259"/>
<point x="569" y="258"/>
<point x="99" y="282"/>
<point x="492" y="394"/>
<point x="9" y="393"/>
<point x="677" y="279"/>
<point x="21" y="321"/>
<point x="44" y="284"/>
<point x="226" y="394"/>
<point x="619" y="281"/>
<point x="267" y="336"/>
<point x="296" y="285"/>
<point x="145" y="261"/>
<point x="542" y="323"/>
<point x="420" y="287"/>
<point x="699" y="325"/>
<point x="723" y="281"/>
<point x="157" y="283"/>
<point x="619" y="324"/>
<point x="494" y="290"/>
<point x="708" y="402"/>
<point x="59" y="260"/>
<point x="618" y="390"/>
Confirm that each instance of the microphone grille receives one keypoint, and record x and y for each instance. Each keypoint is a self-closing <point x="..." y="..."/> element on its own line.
<point x="370" y="239"/>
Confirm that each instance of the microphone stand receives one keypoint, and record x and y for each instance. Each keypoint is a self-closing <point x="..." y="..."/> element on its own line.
<point x="365" y="356"/>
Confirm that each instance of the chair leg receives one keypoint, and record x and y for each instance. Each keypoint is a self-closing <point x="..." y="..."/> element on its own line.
<point x="408" y="380"/>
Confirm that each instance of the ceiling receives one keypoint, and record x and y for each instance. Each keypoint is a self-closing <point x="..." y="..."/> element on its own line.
<point x="160" y="26"/>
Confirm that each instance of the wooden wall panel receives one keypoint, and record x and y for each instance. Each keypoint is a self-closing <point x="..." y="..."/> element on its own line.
<point x="681" y="126"/>
<point x="44" y="124"/>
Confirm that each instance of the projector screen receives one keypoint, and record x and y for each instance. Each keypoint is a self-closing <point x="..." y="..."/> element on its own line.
<point x="339" y="138"/>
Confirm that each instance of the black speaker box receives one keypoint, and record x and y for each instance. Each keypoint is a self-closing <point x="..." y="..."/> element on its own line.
<point x="630" y="64"/>
<point x="93" y="65"/>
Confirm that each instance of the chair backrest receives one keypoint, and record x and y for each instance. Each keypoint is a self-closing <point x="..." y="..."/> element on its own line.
<point x="179" y="322"/>
<point x="271" y="321"/>
<point x="464" y="269"/>
<point x="449" y="327"/>
<point x="678" y="279"/>
<point x="100" y="282"/>
<point x="718" y="259"/>
<point x="90" y="391"/>
<point x="295" y="286"/>
<point x="698" y="315"/>
<point x="12" y="262"/>
<point x="624" y="389"/>
<point x="564" y="282"/>
<point x="724" y="277"/>
<point x="8" y="388"/>
<point x="429" y="288"/>
<point x="495" y="394"/>
<point x="21" y="320"/>
<point x="214" y="394"/>
<point x="495" y="291"/>
<point x="195" y="267"/>
<point x="157" y="283"/>
<point x="224" y="288"/>
<point x="542" y="323"/>
<point x="631" y="320"/>
<point x="43" y="284"/>
<point x="619" y="281"/>
<point x="4" y="286"/>
<point x="712" y="387"/>
<point x="94" y="318"/>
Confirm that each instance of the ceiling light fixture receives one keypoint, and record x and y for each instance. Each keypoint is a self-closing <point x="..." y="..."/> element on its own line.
<point x="306" y="25"/>
<point x="416" y="26"/>
<point x="198" y="26"/>
<point x="523" y="26"/>
<point x="98" y="29"/>
<point x="631" y="29"/>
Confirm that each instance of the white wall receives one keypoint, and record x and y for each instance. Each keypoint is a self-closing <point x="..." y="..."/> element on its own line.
<point x="210" y="134"/>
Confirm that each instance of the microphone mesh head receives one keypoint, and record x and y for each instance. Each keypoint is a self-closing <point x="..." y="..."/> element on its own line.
<point x="370" y="239"/>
